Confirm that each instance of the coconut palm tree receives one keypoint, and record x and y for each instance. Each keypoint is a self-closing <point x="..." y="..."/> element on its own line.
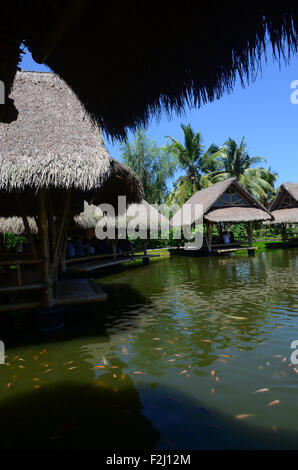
<point x="196" y="162"/>
<point x="235" y="161"/>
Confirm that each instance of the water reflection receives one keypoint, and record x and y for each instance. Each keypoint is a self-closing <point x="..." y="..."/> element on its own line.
<point x="180" y="349"/>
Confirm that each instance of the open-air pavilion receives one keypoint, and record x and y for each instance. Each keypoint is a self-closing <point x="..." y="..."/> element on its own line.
<point x="224" y="203"/>
<point x="52" y="159"/>
<point x="145" y="217"/>
<point x="284" y="208"/>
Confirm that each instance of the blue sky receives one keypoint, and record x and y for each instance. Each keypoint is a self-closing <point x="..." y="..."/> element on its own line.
<point x="262" y="113"/>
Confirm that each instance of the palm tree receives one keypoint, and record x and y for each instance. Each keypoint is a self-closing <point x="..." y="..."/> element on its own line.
<point x="194" y="161"/>
<point x="235" y="161"/>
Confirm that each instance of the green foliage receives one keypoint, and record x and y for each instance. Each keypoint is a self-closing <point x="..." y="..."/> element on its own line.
<point x="12" y="241"/>
<point x="235" y="161"/>
<point x="196" y="162"/>
<point x="154" y="165"/>
<point x="239" y="231"/>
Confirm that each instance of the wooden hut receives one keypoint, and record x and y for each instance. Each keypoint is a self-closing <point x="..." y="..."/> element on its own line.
<point x="125" y="62"/>
<point x="284" y="208"/>
<point x="51" y="159"/>
<point x="225" y="202"/>
<point x="144" y="216"/>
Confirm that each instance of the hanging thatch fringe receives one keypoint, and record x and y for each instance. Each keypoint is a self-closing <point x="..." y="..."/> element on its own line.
<point x="126" y="66"/>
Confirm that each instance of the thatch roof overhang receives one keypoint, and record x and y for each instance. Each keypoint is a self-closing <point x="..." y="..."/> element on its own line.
<point x="144" y="214"/>
<point x="284" y="208"/>
<point x="226" y="201"/>
<point x="16" y="225"/>
<point x="54" y="145"/>
<point x="285" y="216"/>
<point x="125" y="63"/>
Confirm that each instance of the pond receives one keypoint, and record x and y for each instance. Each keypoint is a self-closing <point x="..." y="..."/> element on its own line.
<point x="189" y="353"/>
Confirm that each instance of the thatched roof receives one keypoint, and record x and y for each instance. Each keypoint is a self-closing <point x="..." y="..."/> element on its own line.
<point x="125" y="63"/>
<point x="226" y="201"/>
<point x="284" y="208"/>
<point x="144" y="214"/>
<point x="54" y="145"/>
<point x="16" y="225"/>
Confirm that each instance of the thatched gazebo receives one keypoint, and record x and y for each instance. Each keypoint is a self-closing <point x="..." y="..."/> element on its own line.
<point x="161" y="55"/>
<point x="224" y="202"/>
<point x="144" y="214"/>
<point x="284" y="208"/>
<point x="145" y="217"/>
<point x="52" y="159"/>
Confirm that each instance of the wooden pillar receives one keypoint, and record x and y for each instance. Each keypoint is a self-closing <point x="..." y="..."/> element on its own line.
<point x="63" y="252"/>
<point x="26" y="224"/>
<point x="220" y="233"/>
<point x="2" y="243"/>
<point x="284" y="232"/>
<point x="145" y="246"/>
<point x="209" y="236"/>
<point x="250" y="232"/>
<point x="47" y="294"/>
<point x="114" y="247"/>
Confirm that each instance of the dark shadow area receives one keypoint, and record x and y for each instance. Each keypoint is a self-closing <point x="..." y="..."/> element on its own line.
<point x="95" y="415"/>
<point x="276" y="245"/>
<point x="74" y="415"/>
<point x="79" y="321"/>
<point x="186" y="423"/>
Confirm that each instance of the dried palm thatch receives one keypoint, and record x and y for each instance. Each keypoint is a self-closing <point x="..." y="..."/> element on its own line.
<point x="144" y="215"/>
<point x="16" y="225"/>
<point x="53" y="145"/>
<point x="167" y="56"/>
<point x="226" y="201"/>
<point x="284" y="208"/>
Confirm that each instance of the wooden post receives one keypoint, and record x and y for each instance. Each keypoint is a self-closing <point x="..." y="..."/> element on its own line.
<point x="26" y="224"/>
<point x="19" y="275"/>
<point x="2" y="243"/>
<point x="209" y="236"/>
<point x="62" y="226"/>
<point x="47" y="294"/>
<point x="284" y="232"/>
<point x="52" y="228"/>
<point x="220" y="233"/>
<point x="63" y="245"/>
<point x="145" y="246"/>
<point x="114" y="248"/>
<point x="63" y="253"/>
<point x="250" y="233"/>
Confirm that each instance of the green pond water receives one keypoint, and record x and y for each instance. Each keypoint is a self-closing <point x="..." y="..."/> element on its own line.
<point x="174" y="360"/>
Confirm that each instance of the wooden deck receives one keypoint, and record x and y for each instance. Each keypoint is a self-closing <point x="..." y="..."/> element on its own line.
<point x="231" y="250"/>
<point x="78" y="291"/>
<point x="27" y="296"/>
<point x="104" y="263"/>
<point x="216" y="249"/>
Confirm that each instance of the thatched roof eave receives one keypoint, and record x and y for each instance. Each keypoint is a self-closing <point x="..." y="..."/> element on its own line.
<point x="285" y="216"/>
<point x="237" y="215"/>
<point x="54" y="145"/>
<point x="155" y="53"/>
